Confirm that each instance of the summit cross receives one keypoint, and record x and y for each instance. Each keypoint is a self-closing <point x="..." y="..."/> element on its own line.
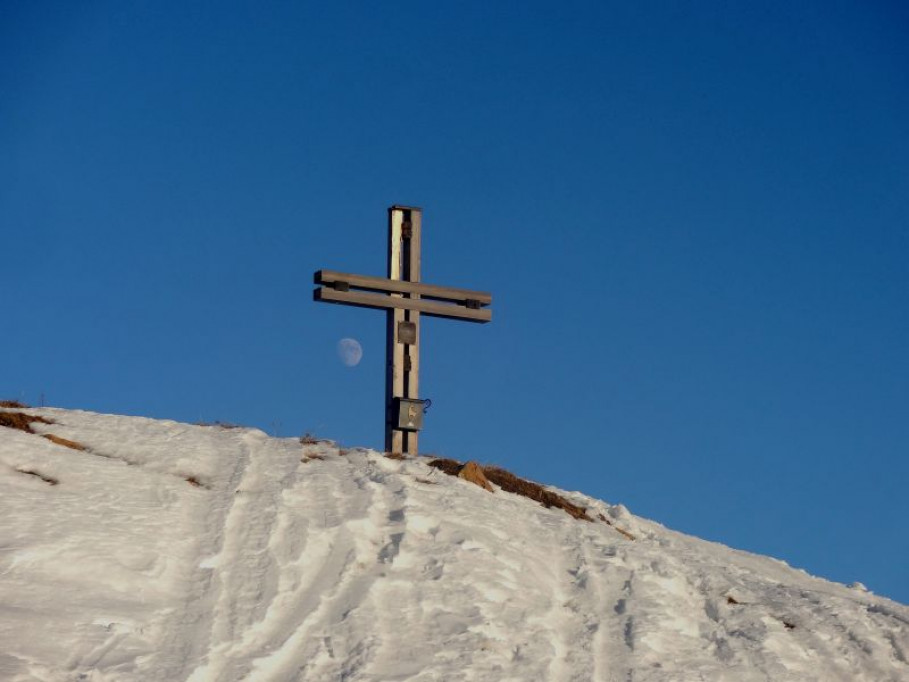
<point x="405" y="299"/>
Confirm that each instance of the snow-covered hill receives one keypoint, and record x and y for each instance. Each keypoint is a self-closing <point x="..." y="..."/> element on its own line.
<point x="173" y="552"/>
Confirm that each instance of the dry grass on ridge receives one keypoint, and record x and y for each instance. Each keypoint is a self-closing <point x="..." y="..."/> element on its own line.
<point x="23" y="422"/>
<point x="71" y="444"/>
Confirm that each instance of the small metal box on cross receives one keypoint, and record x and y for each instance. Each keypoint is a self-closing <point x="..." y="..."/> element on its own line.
<point x="405" y="299"/>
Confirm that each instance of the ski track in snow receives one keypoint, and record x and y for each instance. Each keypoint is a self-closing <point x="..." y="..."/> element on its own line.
<point x="304" y="562"/>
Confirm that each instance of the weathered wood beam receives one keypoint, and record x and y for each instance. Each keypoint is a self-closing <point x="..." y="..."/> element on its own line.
<point x="376" y="300"/>
<point x="402" y="287"/>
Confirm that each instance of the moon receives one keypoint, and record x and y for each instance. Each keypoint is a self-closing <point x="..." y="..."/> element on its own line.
<point x="350" y="351"/>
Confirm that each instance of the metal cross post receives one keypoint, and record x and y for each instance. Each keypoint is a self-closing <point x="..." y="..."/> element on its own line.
<point x="404" y="298"/>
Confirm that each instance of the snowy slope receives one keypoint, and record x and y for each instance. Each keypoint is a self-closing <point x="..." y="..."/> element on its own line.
<point x="288" y="562"/>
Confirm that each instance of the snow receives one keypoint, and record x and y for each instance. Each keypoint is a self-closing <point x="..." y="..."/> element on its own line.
<point x="283" y="561"/>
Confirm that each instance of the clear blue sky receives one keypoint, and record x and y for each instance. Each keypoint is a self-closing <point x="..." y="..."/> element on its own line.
<point x="693" y="217"/>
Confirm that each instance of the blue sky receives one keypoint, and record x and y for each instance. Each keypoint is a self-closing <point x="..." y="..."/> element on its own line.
<point x="693" y="217"/>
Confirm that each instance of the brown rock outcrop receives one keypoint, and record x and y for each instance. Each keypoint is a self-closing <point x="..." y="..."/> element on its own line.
<point x="473" y="472"/>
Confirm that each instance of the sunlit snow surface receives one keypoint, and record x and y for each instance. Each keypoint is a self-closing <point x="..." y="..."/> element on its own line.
<point x="292" y="562"/>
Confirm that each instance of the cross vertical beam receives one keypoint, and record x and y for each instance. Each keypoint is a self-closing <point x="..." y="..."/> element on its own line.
<point x="402" y="378"/>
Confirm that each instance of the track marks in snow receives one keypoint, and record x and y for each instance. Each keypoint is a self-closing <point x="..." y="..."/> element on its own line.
<point x="314" y="565"/>
<point x="179" y="652"/>
<point x="589" y="617"/>
<point x="124" y="541"/>
<point x="299" y="565"/>
<point x="611" y="584"/>
<point x="339" y="638"/>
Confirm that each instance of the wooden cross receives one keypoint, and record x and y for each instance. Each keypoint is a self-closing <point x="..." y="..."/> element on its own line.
<point x="405" y="299"/>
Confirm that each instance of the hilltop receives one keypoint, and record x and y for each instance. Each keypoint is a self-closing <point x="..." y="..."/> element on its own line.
<point x="140" y="549"/>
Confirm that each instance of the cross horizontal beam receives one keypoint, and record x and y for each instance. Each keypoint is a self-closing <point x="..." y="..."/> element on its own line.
<point x="463" y="296"/>
<point x="365" y="299"/>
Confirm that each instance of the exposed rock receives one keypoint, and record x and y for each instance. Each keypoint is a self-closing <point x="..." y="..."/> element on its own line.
<point x="473" y="472"/>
